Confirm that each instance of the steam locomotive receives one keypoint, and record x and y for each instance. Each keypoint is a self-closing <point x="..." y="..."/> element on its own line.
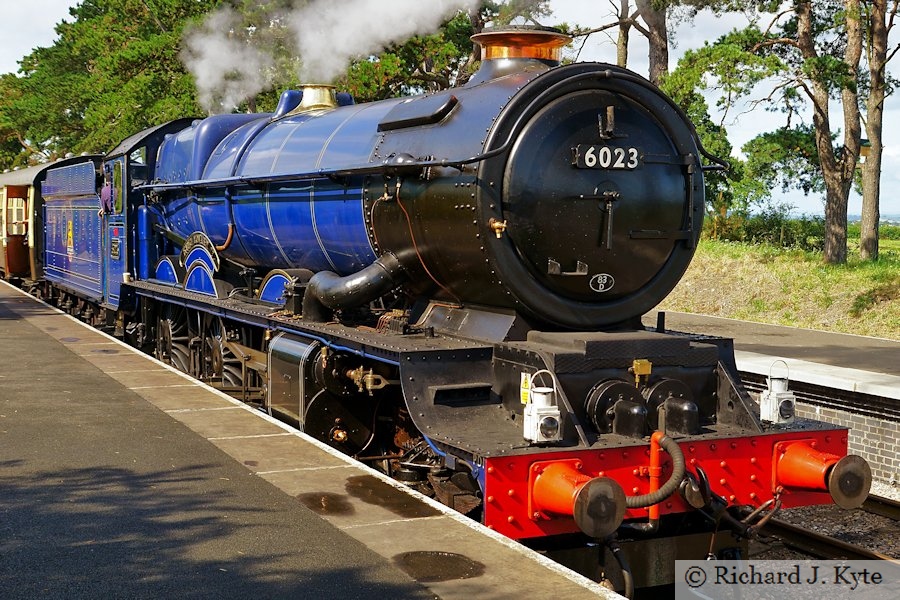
<point x="449" y="287"/>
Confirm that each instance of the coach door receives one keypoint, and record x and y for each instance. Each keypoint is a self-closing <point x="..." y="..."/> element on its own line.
<point x="15" y="231"/>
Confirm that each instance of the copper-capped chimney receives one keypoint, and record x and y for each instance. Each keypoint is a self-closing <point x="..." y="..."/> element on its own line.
<point x="517" y="48"/>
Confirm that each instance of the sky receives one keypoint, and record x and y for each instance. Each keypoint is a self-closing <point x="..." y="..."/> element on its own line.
<point x="27" y="25"/>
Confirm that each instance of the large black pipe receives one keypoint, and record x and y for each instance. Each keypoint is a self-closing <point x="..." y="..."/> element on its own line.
<point x="328" y="291"/>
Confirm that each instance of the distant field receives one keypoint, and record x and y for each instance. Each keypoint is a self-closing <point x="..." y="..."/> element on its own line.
<point x="787" y="287"/>
<point x="891" y="247"/>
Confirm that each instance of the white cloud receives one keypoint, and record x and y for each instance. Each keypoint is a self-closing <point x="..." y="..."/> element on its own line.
<point x="27" y="25"/>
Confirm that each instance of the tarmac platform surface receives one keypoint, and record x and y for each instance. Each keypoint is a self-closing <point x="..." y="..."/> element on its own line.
<point x="122" y="478"/>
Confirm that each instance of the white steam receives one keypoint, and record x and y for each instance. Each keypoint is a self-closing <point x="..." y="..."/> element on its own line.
<point x="226" y="68"/>
<point x="331" y="34"/>
<point x="230" y="66"/>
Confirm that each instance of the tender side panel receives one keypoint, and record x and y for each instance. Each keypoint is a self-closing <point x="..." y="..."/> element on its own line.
<point x="73" y="244"/>
<point x="73" y="236"/>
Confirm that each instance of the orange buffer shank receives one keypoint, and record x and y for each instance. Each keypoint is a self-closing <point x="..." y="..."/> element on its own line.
<point x="800" y="466"/>
<point x="596" y="503"/>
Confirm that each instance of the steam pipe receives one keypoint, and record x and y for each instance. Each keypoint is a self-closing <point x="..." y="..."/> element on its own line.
<point x="328" y="291"/>
<point x="224" y="246"/>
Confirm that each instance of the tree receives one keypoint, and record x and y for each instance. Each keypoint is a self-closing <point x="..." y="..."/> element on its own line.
<point x="787" y="157"/>
<point x="653" y="12"/>
<point x="813" y="52"/>
<point x="651" y="19"/>
<point x="14" y="148"/>
<point x="135" y="67"/>
<point x="246" y="52"/>
<point x="652" y="25"/>
<point x="423" y="63"/>
<point x="727" y="67"/>
<point x="879" y="22"/>
<point x="51" y="98"/>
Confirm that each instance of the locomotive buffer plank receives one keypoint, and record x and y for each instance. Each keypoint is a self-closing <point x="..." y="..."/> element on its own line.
<point x="107" y="490"/>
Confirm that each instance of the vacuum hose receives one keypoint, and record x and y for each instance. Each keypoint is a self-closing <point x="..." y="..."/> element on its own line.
<point x="669" y="487"/>
<point x="653" y="499"/>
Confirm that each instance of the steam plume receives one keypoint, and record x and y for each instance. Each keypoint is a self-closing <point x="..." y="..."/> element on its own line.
<point x="226" y="68"/>
<point x="331" y="34"/>
<point x="230" y="64"/>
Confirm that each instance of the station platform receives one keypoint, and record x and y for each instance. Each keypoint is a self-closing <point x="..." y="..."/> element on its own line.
<point x="123" y="478"/>
<point x="845" y="362"/>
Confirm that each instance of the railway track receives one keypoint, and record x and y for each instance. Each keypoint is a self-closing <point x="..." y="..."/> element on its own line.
<point x="883" y="507"/>
<point x="823" y="546"/>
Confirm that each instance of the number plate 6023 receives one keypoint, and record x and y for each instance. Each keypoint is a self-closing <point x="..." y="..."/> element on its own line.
<point x="605" y="157"/>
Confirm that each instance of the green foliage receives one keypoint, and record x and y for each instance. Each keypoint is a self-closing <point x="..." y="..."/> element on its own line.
<point x="889" y="232"/>
<point x="773" y="226"/>
<point x="11" y="141"/>
<point x="747" y="59"/>
<point x="732" y="67"/>
<point x="433" y="62"/>
<point x="886" y="231"/>
<point x="423" y="63"/>
<point x="729" y="66"/>
<point x="713" y="135"/>
<point x="788" y="157"/>
<point x="116" y="68"/>
<point x="531" y="11"/>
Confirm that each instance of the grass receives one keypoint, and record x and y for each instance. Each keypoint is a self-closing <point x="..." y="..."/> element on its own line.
<point x="792" y="287"/>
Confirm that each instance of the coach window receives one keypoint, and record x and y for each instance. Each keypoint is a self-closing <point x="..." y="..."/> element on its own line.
<point x="17" y="216"/>
<point x="14" y="211"/>
<point x="118" y="188"/>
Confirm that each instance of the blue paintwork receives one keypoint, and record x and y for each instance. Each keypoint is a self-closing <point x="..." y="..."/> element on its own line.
<point x="167" y="270"/>
<point x="70" y="181"/>
<point x="115" y="242"/>
<point x="183" y="156"/>
<point x="200" y="279"/>
<point x="272" y="289"/>
<point x="314" y="224"/>
<point x="199" y="253"/>
<point x="116" y="259"/>
<point x="72" y="230"/>
<point x="146" y="243"/>
<point x="221" y="162"/>
<point x="73" y="260"/>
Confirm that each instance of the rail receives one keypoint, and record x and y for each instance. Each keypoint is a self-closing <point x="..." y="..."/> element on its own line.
<point x="817" y="544"/>
<point x="883" y="507"/>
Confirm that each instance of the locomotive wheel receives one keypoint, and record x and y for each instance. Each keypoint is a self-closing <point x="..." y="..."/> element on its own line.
<point x="219" y="363"/>
<point x="173" y="337"/>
